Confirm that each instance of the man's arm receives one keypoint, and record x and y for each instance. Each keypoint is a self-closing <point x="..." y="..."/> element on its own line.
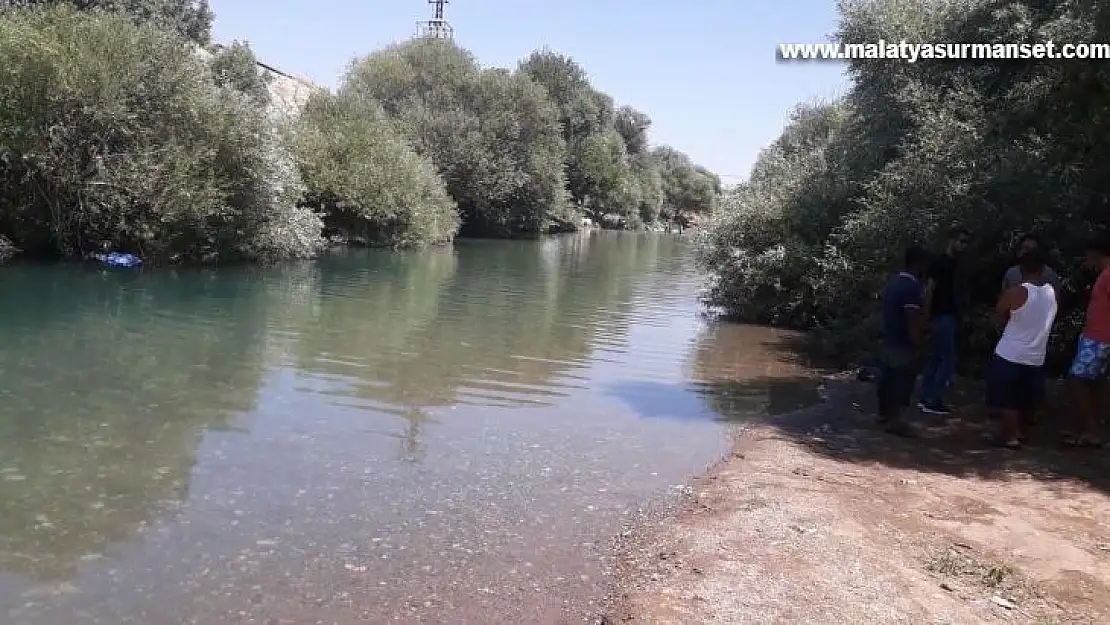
<point x="1057" y="286"/>
<point x="930" y="289"/>
<point x="1008" y="280"/>
<point x="914" y="308"/>
<point x="915" y="321"/>
<point x="1008" y="300"/>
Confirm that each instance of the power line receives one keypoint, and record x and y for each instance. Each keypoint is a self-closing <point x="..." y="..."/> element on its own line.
<point x="438" y="27"/>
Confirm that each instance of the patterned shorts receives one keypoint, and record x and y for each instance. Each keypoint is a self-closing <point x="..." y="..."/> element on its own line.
<point x="1091" y="359"/>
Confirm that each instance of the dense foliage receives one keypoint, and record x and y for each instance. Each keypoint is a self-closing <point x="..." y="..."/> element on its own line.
<point x="112" y="134"/>
<point x="119" y="130"/>
<point x="236" y="66"/>
<point x="191" y="19"/>
<point x="1001" y="147"/>
<point x="373" y="187"/>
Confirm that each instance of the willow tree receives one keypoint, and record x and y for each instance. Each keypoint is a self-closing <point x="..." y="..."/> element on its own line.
<point x="1000" y="147"/>
<point x="492" y="134"/>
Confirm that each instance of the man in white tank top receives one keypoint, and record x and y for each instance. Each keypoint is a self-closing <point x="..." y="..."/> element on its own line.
<point x="1015" y="380"/>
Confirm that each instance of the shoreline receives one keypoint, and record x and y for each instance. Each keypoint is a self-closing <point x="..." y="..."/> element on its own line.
<point x="817" y="517"/>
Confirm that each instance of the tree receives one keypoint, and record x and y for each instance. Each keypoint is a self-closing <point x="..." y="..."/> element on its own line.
<point x="999" y="147"/>
<point x="633" y="127"/>
<point x="493" y="135"/>
<point x="236" y="66"/>
<point x="374" y="188"/>
<point x="113" y="135"/>
<point x="191" y="19"/>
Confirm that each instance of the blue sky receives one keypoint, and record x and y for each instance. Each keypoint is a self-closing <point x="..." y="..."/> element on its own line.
<point x="705" y="73"/>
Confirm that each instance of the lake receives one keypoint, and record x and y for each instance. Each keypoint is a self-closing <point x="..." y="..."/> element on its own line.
<point x="445" y="436"/>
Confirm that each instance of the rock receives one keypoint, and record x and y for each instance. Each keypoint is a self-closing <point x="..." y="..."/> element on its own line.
<point x="1009" y="605"/>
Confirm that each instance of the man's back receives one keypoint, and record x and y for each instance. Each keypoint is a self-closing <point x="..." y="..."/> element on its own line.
<point x="1025" y="339"/>
<point x="945" y="299"/>
<point x="902" y="291"/>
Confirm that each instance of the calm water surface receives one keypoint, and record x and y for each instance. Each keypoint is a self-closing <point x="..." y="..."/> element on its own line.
<point x="450" y="436"/>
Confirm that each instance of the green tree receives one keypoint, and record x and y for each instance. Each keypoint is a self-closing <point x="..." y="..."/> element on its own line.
<point x="113" y="135"/>
<point x="493" y="135"/>
<point x="236" y="66"/>
<point x="633" y="127"/>
<point x="596" y="161"/>
<point x="191" y="19"/>
<point x="999" y="147"/>
<point x="374" y="188"/>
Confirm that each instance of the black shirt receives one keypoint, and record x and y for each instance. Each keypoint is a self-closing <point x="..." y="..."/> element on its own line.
<point x="945" y="299"/>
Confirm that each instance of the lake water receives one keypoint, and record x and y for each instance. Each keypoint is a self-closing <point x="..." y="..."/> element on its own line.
<point x="445" y="436"/>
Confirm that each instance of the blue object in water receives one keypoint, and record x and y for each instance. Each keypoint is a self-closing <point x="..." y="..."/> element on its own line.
<point x="118" y="259"/>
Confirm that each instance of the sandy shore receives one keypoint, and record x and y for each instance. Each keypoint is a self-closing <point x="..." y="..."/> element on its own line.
<point x="818" y="518"/>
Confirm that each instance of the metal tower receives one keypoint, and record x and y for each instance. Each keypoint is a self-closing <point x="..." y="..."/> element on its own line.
<point x="437" y="27"/>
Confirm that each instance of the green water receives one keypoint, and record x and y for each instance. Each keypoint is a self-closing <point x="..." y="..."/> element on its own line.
<point x="450" y="435"/>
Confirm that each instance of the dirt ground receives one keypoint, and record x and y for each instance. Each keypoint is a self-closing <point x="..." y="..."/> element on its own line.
<point x="817" y="517"/>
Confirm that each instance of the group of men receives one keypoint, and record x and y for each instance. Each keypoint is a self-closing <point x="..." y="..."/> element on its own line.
<point x="922" y="304"/>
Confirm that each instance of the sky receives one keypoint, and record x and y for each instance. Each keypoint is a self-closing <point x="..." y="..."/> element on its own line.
<point x="705" y="73"/>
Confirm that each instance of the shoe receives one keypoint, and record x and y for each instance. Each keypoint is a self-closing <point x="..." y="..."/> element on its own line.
<point x="898" y="427"/>
<point x="940" y="409"/>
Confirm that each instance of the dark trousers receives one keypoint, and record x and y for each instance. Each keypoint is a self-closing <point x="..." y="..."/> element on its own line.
<point x="941" y="367"/>
<point x="897" y="378"/>
<point x="1014" y="386"/>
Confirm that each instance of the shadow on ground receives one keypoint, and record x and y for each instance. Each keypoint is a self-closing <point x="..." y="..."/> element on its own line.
<point x="843" y="428"/>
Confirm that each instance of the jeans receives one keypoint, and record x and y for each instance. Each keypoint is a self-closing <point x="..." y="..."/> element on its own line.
<point x="941" y="366"/>
<point x="896" y="381"/>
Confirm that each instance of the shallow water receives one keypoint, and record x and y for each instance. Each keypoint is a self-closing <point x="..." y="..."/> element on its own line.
<point x="450" y="436"/>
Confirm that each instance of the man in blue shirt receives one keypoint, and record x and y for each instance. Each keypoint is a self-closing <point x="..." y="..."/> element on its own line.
<point x="903" y="328"/>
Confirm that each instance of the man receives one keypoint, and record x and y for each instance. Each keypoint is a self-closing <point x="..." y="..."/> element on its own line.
<point x="1092" y="355"/>
<point x="903" y="328"/>
<point x="943" y="307"/>
<point x="1015" y="380"/>
<point x="1027" y="243"/>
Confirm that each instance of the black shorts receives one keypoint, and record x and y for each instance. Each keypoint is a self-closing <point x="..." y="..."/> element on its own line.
<point x="897" y="379"/>
<point x="1013" y="386"/>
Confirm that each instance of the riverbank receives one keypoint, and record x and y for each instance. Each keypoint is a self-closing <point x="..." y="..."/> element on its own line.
<point x="816" y="517"/>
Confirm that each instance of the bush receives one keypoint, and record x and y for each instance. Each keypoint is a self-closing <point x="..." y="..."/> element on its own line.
<point x="191" y="19"/>
<point x="112" y="134"/>
<point x="492" y="135"/>
<point x="374" y="188"/>
<point x="999" y="147"/>
<point x="236" y="66"/>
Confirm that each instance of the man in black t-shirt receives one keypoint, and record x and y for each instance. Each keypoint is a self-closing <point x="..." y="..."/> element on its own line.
<point x="942" y="301"/>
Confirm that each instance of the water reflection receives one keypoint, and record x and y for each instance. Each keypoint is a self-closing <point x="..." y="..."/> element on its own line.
<point x="493" y="324"/>
<point x="107" y="382"/>
<point x="445" y="422"/>
<point x="745" y="371"/>
<point x="738" y="373"/>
